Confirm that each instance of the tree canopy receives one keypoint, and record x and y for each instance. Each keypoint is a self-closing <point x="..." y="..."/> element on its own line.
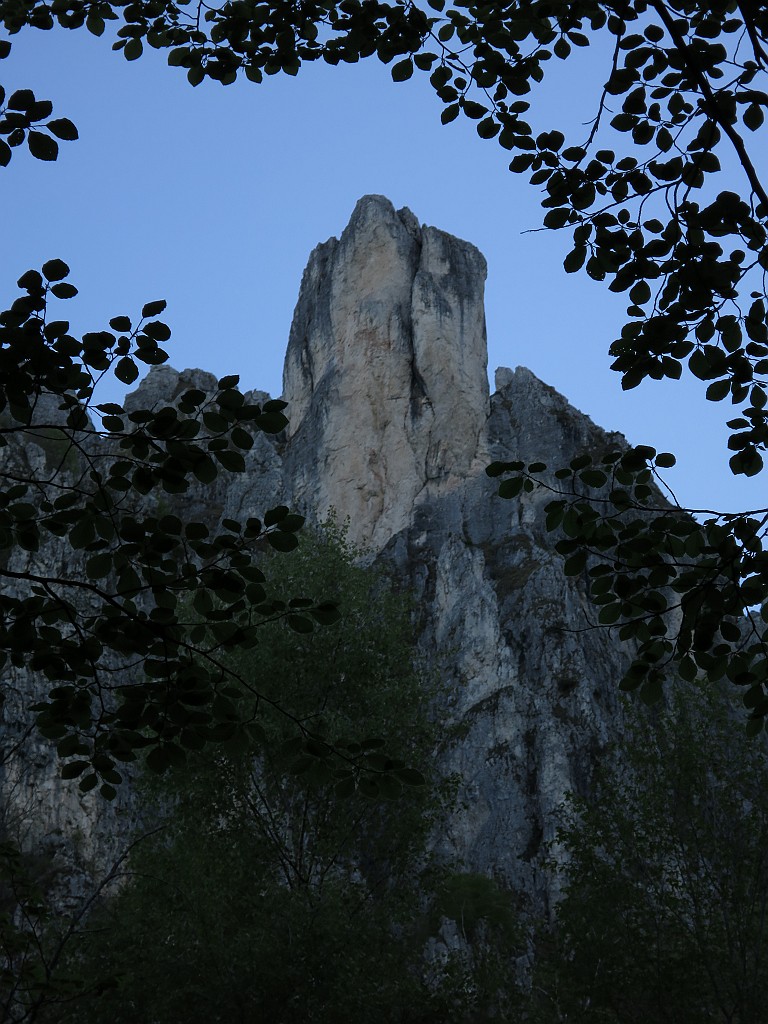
<point x="663" y="876"/>
<point x="251" y="889"/>
<point x="636" y="193"/>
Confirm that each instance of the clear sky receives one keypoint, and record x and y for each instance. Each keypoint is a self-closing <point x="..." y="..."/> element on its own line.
<point x="213" y="197"/>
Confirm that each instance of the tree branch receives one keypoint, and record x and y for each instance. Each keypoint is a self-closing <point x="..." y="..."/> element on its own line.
<point x="711" y="104"/>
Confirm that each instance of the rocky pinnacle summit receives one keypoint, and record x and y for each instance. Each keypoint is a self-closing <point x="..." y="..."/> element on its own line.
<point x="385" y="373"/>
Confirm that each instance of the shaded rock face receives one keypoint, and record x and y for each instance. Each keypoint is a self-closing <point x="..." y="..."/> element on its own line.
<point x="79" y="835"/>
<point x="529" y="689"/>
<point x="392" y="425"/>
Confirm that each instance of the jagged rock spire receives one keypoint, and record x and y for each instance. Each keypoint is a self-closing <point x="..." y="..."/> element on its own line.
<point x="385" y="373"/>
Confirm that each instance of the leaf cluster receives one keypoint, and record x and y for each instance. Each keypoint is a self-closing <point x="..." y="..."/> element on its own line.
<point x="635" y="190"/>
<point x="687" y="82"/>
<point x="24" y="918"/>
<point x="686" y="85"/>
<point x="342" y="746"/>
<point x="20" y="117"/>
<point x="127" y="667"/>
<point x="690" y="594"/>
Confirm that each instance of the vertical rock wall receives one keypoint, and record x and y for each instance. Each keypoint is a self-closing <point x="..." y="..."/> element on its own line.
<point x="391" y="425"/>
<point x="385" y="374"/>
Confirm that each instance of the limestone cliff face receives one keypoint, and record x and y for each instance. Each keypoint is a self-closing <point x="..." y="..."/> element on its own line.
<point x="391" y="424"/>
<point x="385" y="374"/>
<point x="83" y="833"/>
<point x="530" y="689"/>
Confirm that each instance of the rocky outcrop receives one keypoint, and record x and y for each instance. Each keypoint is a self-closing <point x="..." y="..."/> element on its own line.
<point x="385" y="374"/>
<point x="392" y="425"/>
<point x="530" y="689"/>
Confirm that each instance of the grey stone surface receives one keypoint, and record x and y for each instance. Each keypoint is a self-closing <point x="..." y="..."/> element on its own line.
<point x="81" y="833"/>
<point x="392" y="425"/>
<point x="385" y="374"/>
<point x="529" y="688"/>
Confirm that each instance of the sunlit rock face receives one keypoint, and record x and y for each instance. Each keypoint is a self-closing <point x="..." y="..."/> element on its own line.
<point x="391" y="425"/>
<point x="385" y="374"/>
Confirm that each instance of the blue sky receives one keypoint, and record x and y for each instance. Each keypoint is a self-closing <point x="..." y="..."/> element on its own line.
<point x="212" y="198"/>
